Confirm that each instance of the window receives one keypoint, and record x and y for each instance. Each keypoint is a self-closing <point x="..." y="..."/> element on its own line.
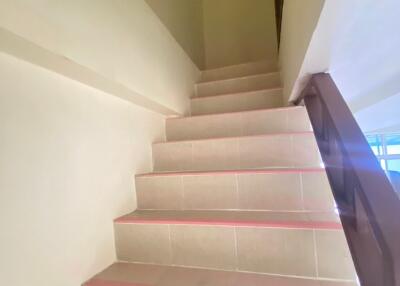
<point x="386" y="147"/>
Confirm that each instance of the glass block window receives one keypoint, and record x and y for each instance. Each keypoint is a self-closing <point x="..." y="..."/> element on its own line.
<point x="387" y="148"/>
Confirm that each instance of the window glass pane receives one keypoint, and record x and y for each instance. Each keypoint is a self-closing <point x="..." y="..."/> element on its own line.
<point x="375" y="142"/>
<point x="394" y="165"/>
<point x="383" y="164"/>
<point x="393" y="144"/>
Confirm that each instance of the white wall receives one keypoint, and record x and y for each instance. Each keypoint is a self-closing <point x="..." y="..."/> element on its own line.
<point x="358" y="43"/>
<point x="122" y="40"/>
<point x="69" y="152"/>
<point x="68" y="155"/>
<point x="299" y="21"/>
<point x="239" y="31"/>
<point x="184" y="19"/>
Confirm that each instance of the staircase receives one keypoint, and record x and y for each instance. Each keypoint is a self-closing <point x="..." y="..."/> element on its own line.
<point x="237" y="197"/>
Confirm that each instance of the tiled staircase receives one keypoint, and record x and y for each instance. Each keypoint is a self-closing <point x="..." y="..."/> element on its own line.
<point x="238" y="196"/>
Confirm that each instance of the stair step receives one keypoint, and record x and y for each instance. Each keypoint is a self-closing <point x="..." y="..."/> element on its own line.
<point x="273" y="190"/>
<point x="298" y="244"/>
<point x="135" y="274"/>
<point x="257" y="122"/>
<point x="240" y="84"/>
<point x="244" y="101"/>
<point x="249" y="152"/>
<point x="295" y="220"/>
<point x="241" y="70"/>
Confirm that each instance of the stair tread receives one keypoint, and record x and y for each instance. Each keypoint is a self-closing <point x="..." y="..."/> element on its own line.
<point x="239" y="84"/>
<point x="237" y="70"/>
<point x="238" y="78"/>
<point x="274" y="109"/>
<point x="272" y="134"/>
<point x="136" y="274"/>
<point x="319" y="220"/>
<point x="242" y="93"/>
<point x="238" y="171"/>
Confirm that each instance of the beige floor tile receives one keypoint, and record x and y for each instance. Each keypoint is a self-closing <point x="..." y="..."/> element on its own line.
<point x="239" y="70"/>
<point x="306" y="152"/>
<point x="298" y="120"/>
<point x="252" y="279"/>
<point x="202" y="127"/>
<point x="334" y="259"/>
<point x="203" y="246"/>
<point x="278" y="251"/>
<point x="143" y="243"/>
<point x="317" y="192"/>
<point x="237" y="102"/>
<point x="255" y="82"/>
<point x="216" y="154"/>
<point x="337" y="283"/>
<point x="264" y="122"/>
<point x="133" y="273"/>
<point x="172" y="156"/>
<point x="265" y="151"/>
<point x="270" y="191"/>
<point x="210" y="192"/>
<point x="225" y="125"/>
<point x="196" y="277"/>
<point x="179" y="128"/>
<point x="161" y="192"/>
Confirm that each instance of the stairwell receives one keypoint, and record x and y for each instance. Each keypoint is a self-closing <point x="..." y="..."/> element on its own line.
<point x="238" y="196"/>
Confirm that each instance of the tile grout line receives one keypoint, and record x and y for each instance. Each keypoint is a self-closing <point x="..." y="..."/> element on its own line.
<point x="302" y="192"/>
<point x="315" y="253"/>
<point x="293" y="165"/>
<point x="236" y="249"/>
<point x="170" y="245"/>
<point x="191" y="155"/>
<point x="183" y="205"/>
<point x="287" y="120"/>
<point x="237" y="190"/>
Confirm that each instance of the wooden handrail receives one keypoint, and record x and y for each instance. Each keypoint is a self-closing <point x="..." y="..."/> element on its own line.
<point x="368" y="205"/>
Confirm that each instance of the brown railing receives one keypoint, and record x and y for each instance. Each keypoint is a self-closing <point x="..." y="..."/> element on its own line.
<point x="368" y="205"/>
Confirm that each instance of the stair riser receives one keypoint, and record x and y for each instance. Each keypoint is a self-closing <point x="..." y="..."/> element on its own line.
<point x="238" y="124"/>
<point x="238" y="153"/>
<point x="239" y="70"/>
<point x="136" y="274"/>
<point x="237" y="102"/>
<point x="246" y="191"/>
<point x="243" y="84"/>
<point x="300" y="252"/>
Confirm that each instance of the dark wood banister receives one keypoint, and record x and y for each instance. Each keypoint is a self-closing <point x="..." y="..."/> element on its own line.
<point x="368" y="205"/>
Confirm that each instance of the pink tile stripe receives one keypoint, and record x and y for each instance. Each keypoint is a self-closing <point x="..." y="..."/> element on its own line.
<point x="101" y="282"/>
<point x="230" y="172"/>
<point x="310" y="133"/>
<point x="237" y="112"/>
<point x="272" y="224"/>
